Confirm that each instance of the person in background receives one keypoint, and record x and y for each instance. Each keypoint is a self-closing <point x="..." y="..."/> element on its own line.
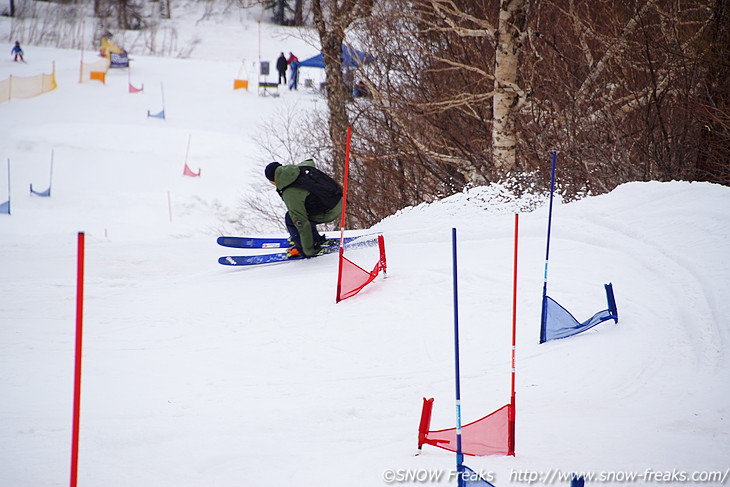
<point x="17" y="51"/>
<point x="281" y="66"/>
<point x="294" y="76"/>
<point x="293" y="62"/>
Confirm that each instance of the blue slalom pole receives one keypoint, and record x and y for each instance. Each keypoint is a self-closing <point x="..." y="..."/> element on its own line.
<point x="9" y="186"/>
<point x="543" y="318"/>
<point x="459" y="454"/>
<point x="5" y="207"/>
<point x="50" y="176"/>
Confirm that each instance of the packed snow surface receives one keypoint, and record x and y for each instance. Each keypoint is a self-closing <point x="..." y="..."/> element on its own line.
<point x="198" y="374"/>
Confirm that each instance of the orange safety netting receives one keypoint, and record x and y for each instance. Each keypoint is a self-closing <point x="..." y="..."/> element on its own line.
<point x="100" y="66"/>
<point x="27" y="86"/>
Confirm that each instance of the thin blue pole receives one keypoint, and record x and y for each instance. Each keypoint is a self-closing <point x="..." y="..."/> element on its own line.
<point x="50" y="176"/>
<point x="543" y="318"/>
<point x="459" y="454"/>
<point x="9" y="186"/>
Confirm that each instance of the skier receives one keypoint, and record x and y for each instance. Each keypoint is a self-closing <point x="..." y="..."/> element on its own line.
<point x="311" y="197"/>
<point x="17" y="51"/>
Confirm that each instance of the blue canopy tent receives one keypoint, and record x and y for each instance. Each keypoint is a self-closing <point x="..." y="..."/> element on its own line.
<point x="350" y="58"/>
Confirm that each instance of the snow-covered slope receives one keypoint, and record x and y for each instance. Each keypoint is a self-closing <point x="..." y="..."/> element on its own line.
<point x="196" y="374"/>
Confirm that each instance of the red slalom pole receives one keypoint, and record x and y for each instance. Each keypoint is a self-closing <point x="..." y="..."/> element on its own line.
<point x="512" y="411"/>
<point x="344" y="209"/>
<point x="77" y="370"/>
<point x="425" y="423"/>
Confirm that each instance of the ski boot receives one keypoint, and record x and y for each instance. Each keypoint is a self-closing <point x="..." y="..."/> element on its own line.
<point x="293" y="252"/>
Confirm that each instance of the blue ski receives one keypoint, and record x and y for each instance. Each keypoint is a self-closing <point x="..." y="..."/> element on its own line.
<point x="244" y="260"/>
<point x="263" y="242"/>
<point x="269" y="258"/>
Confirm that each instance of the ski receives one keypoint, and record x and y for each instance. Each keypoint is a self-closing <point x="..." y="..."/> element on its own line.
<point x="264" y="242"/>
<point x="269" y="258"/>
<point x="247" y="260"/>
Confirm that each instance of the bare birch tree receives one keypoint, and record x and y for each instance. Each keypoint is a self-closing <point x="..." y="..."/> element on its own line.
<point x="471" y="52"/>
<point x="467" y="92"/>
<point x="427" y="129"/>
<point x="615" y="87"/>
<point x="508" y="96"/>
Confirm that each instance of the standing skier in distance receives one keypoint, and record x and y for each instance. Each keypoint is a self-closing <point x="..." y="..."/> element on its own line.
<point x="17" y="51"/>
<point x="311" y="197"/>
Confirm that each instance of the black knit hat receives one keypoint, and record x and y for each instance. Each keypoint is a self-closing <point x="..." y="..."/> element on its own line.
<point x="270" y="170"/>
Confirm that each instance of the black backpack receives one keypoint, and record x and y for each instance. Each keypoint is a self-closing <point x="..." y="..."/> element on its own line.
<point x="324" y="192"/>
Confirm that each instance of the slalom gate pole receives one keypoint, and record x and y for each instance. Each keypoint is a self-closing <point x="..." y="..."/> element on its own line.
<point x="382" y="263"/>
<point x="512" y="410"/>
<point x="187" y="151"/>
<point x="162" y="95"/>
<point x="50" y="176"/>
<point x="459" y="453"/>
<point x="243" y="65"/>
<point x="77" y="369"/>
<point x="543" y="318"/>
<point x="169" y="205"/>
<point x="9" y="205"/>
<point x="425" y="423"/>
<point x="81" y="63"/>
<point x="344" y="212"/>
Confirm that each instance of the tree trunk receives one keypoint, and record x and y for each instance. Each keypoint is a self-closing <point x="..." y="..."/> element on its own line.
<point x="331" y="38"/>
<point x="512" y="19"/>
<point x="713" y="160"/>
<point x="299" y="13"/>
<point x="337" y="96"/>
<point x="165" y="10"/>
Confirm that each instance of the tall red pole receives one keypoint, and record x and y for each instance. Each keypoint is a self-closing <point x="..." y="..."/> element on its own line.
<point x="512" y="411"/>
<point x="344" y="211"/>
<point x="77" y="371"/>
